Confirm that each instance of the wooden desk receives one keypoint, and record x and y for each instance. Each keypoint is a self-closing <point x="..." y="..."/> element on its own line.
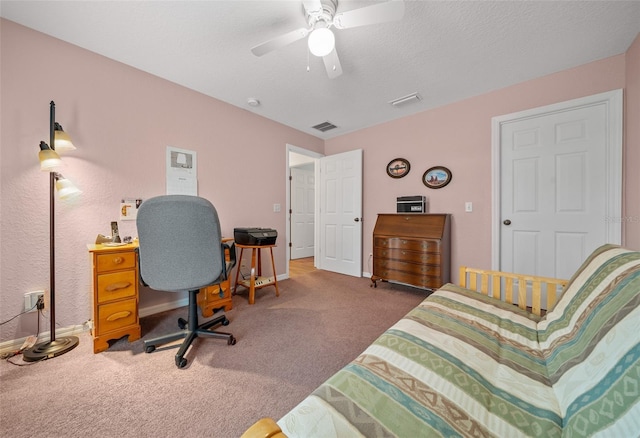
<point x="116" y="294"/>
<point x="256" y="281"/>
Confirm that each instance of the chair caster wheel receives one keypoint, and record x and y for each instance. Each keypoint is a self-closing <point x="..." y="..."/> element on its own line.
<point x="182" y="323"/>
<point x="181" y="362"/>
<point x="225" y="321"/>
<point x="231" y="341"/>
<point x="149" y="349"/>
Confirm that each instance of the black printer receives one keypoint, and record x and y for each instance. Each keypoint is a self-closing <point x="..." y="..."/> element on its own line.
<point x="255" y="236"/>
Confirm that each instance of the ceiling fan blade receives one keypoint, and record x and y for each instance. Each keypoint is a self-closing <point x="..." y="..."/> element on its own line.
<point x="379" y="13"/>
<point x="279" y="42"/>
<point x="332" y="64"/>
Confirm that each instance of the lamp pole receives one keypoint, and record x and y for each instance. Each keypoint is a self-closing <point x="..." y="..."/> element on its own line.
<point x="52" y="228"/>
<point x="54" y="347"/>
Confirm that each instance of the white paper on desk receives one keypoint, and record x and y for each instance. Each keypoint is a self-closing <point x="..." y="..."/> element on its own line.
<point x="182" y="172"/>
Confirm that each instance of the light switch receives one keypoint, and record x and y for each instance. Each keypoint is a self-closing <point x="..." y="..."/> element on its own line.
<point x="468" y="207"/>
<point x="276" y="208"/>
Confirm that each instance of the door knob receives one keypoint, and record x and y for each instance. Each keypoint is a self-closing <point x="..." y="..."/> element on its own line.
<point x="356" y="219"/>
<point x="507" y="222"/>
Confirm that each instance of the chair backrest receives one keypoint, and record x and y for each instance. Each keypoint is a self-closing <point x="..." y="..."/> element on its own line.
<point x="179" y="243"/>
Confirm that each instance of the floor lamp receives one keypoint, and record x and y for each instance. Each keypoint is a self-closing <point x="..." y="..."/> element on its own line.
<point x="49" y="160"/>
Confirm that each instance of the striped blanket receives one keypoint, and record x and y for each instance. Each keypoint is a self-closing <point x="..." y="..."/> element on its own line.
<point x="463" y="364"/>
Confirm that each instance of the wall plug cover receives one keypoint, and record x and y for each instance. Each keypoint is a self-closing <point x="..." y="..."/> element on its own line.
<point x="29" y="342"/>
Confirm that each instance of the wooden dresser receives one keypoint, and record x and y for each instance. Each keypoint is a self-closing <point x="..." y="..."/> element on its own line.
<point x="413" y="249"/>
<point x="115" y="294"/>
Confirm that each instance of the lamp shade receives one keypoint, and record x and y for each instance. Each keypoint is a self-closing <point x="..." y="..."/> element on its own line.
<point x="62" y="141"/>
<point x="65" y="188"/>
<point x="321" y="41"/>
<point x="49" y="159"/>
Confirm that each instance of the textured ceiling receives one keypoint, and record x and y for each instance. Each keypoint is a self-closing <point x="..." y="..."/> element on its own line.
<point x="444" y="50"/>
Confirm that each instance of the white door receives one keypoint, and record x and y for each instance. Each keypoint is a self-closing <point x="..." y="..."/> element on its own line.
<point x="302" y="211"/>
<point x="560" y="184"/>
<point x="341" y="213"/>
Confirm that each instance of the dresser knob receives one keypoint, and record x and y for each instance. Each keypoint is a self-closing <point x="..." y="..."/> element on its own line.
<point x="117" y="260"/>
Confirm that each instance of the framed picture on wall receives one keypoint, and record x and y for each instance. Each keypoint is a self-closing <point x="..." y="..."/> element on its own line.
<point x="436" y="177"/>
<point x="398" y="167"/>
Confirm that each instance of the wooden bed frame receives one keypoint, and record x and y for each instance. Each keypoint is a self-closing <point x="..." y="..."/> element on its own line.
<point x="527" y="290"/>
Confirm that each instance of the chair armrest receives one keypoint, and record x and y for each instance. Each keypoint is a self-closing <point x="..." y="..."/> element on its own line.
<point x="232" y="256"/>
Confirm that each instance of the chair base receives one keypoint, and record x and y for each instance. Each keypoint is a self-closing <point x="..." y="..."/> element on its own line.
<point x="191" y="330"/>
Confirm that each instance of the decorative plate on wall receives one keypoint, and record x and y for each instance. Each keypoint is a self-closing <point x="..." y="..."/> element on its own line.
<point x="398" y="167"/>
<point x="436" y="177"/>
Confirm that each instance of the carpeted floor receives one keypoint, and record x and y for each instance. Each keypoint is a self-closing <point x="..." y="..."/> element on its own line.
<point x="286" y="347"/>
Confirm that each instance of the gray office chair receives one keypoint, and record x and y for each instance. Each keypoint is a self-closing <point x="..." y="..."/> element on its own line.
<point x="180" y="249"/>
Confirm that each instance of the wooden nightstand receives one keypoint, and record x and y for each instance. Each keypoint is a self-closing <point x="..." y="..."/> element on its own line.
<point x="115" y="294"/>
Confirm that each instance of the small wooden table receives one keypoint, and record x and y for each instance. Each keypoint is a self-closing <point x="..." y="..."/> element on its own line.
<point x="256" y="281"/>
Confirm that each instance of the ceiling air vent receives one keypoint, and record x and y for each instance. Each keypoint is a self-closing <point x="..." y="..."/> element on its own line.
<point x="406" y="100"/>
<point x="324" y="126"/>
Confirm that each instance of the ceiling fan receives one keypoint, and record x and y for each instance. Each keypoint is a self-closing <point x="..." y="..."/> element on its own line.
<point x="321" y="17"/>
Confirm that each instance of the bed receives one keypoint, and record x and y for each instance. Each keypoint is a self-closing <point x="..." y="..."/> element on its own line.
<point x="487" y="360"/>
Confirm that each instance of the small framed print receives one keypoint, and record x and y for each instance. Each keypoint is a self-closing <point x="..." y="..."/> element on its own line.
<point x="436" y="177"/>
<point x="398" y="167"/>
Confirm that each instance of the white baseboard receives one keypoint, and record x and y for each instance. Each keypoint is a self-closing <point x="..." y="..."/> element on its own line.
<point x="16" y="344"/>
<point x="163" y="307"/>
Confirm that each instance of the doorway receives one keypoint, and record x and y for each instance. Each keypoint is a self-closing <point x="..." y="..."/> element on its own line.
<point x="337" y="209"/>
<point x="299" y="158"/>
<point x="557" y="184"/>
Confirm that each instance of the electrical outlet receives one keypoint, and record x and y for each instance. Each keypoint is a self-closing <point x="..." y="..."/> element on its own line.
<point x="31" y="300"/>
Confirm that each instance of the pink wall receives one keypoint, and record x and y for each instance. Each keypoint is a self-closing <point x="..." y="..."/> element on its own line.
<point x="121" y="120"/>
<point x="458" y="136"/>
<point x="631" y="225"/>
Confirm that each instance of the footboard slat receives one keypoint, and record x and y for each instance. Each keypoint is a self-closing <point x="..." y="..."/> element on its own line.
<point x="526" y="291"/>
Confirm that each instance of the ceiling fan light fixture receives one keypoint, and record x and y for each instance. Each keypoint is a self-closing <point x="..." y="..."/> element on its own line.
<point x="321" y="41"/>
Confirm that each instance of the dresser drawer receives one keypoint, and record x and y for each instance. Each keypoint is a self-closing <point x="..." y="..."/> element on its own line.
<point x="115" y="260"/>
<point x="406" y="256"/>
<point x="383" y="267"/>
<point x="407" y="244"/>
<point x="116" y="285"/>
<point x="114" y="316"/>
<point x="416" y="279"/>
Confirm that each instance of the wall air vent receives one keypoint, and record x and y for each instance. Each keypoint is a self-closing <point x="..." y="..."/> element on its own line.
<point x="324" y="126"/>
<point x="406" y="100"/>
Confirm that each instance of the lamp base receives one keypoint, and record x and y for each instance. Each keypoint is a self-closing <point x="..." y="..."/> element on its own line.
<point x="48" y="350"/>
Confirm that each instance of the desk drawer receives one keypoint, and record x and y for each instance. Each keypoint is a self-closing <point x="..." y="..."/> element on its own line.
<point x="115" y="260"/>
<point x="116" y="285"/>
<point x="116" y="315"/>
